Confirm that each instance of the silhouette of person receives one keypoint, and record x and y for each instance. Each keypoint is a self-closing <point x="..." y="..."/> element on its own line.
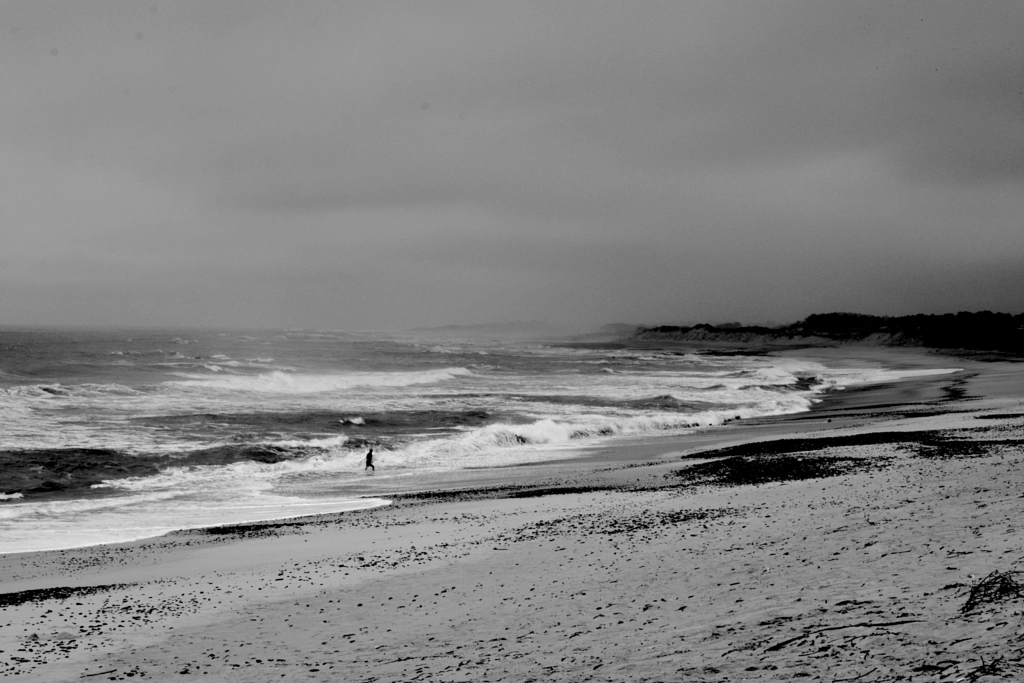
<point x="369" y="462"/>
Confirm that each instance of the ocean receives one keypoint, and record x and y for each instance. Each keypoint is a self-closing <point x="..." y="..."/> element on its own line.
<point x="115" y="435"/>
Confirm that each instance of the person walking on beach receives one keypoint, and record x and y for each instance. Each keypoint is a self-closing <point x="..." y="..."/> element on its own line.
<point x="369" y="462"/>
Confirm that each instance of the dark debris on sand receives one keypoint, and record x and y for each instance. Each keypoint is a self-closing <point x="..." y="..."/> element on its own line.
<point x="996" y="587"/>
<point x="251" y="529"/>
<point x="611" y="525"/>
<point x="57" y="593"/>
<point x="781" y="446"/>
<point x="761" y="469"/>
<point x="928" y="444"/>
<point x="508" y="491"/>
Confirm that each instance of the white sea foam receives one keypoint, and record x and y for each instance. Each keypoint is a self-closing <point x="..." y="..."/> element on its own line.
<point x="284" y="383"/>
<point x="330" y="442"/>
<point x="132" y="518"/>
<point x="33" y="509"/>
<point x="840" y="379"/>
<point x="56" y="390"/>
<point x="491" y="445"/>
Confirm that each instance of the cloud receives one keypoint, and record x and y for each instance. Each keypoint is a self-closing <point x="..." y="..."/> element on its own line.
<point x="431" y="138"/>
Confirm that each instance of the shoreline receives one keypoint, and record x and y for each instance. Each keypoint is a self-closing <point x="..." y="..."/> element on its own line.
<point x="848" y="403"/>
<point x="624" y="449"/>
<point x="371" y="503"/>
<point x="582" y="569"/>
<point x="868" y="397"/>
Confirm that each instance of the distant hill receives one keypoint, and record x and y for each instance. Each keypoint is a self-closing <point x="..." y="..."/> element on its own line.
<point x="609" y="332"/>
<point x="533" y="329"/>
<point x="982" y="331"/>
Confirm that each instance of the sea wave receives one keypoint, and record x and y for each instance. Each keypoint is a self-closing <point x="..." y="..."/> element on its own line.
<point x="242" y="477"/>
<point x="326" y="443"/>
<point x="286" y="383"/>
<point x="495" y="444"/>
<point x="547" y="431"/>
<point x="36" y="509"/>
<point x="57" y="390"/>
<point x="840" y="379"/>
<point x="72" y="524"/>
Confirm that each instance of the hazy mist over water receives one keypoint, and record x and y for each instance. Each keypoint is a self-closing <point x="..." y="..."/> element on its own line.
<point x="367" y="165"/>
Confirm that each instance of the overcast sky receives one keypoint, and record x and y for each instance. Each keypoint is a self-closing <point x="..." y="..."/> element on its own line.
<point x="387" y="165"/>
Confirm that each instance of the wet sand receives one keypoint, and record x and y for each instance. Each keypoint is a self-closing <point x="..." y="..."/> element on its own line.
<point x="843" y="545"/>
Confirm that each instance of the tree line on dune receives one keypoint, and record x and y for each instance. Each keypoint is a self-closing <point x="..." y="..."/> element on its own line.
<point x="977" y="331"/>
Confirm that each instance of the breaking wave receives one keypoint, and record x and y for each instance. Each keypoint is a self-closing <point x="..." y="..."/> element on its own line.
<point x="69" y="391"/>
<point x="279" y="382"/>
<point x="492" y="445"/>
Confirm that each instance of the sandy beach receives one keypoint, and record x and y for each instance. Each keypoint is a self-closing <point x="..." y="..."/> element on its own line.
<point x="850" y="543"/>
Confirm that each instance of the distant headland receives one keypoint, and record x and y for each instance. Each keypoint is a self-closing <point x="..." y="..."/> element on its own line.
<point x="981" y="331"/>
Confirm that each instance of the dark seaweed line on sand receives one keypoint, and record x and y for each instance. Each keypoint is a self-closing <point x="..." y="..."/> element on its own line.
<point x="761" y="462"/>
<point x="751" y="470"/>
<point x="507" y="491"/>
<point x="57" y="593"/>
<point x="784" y="446"/>
<point x="927" y="439"/>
